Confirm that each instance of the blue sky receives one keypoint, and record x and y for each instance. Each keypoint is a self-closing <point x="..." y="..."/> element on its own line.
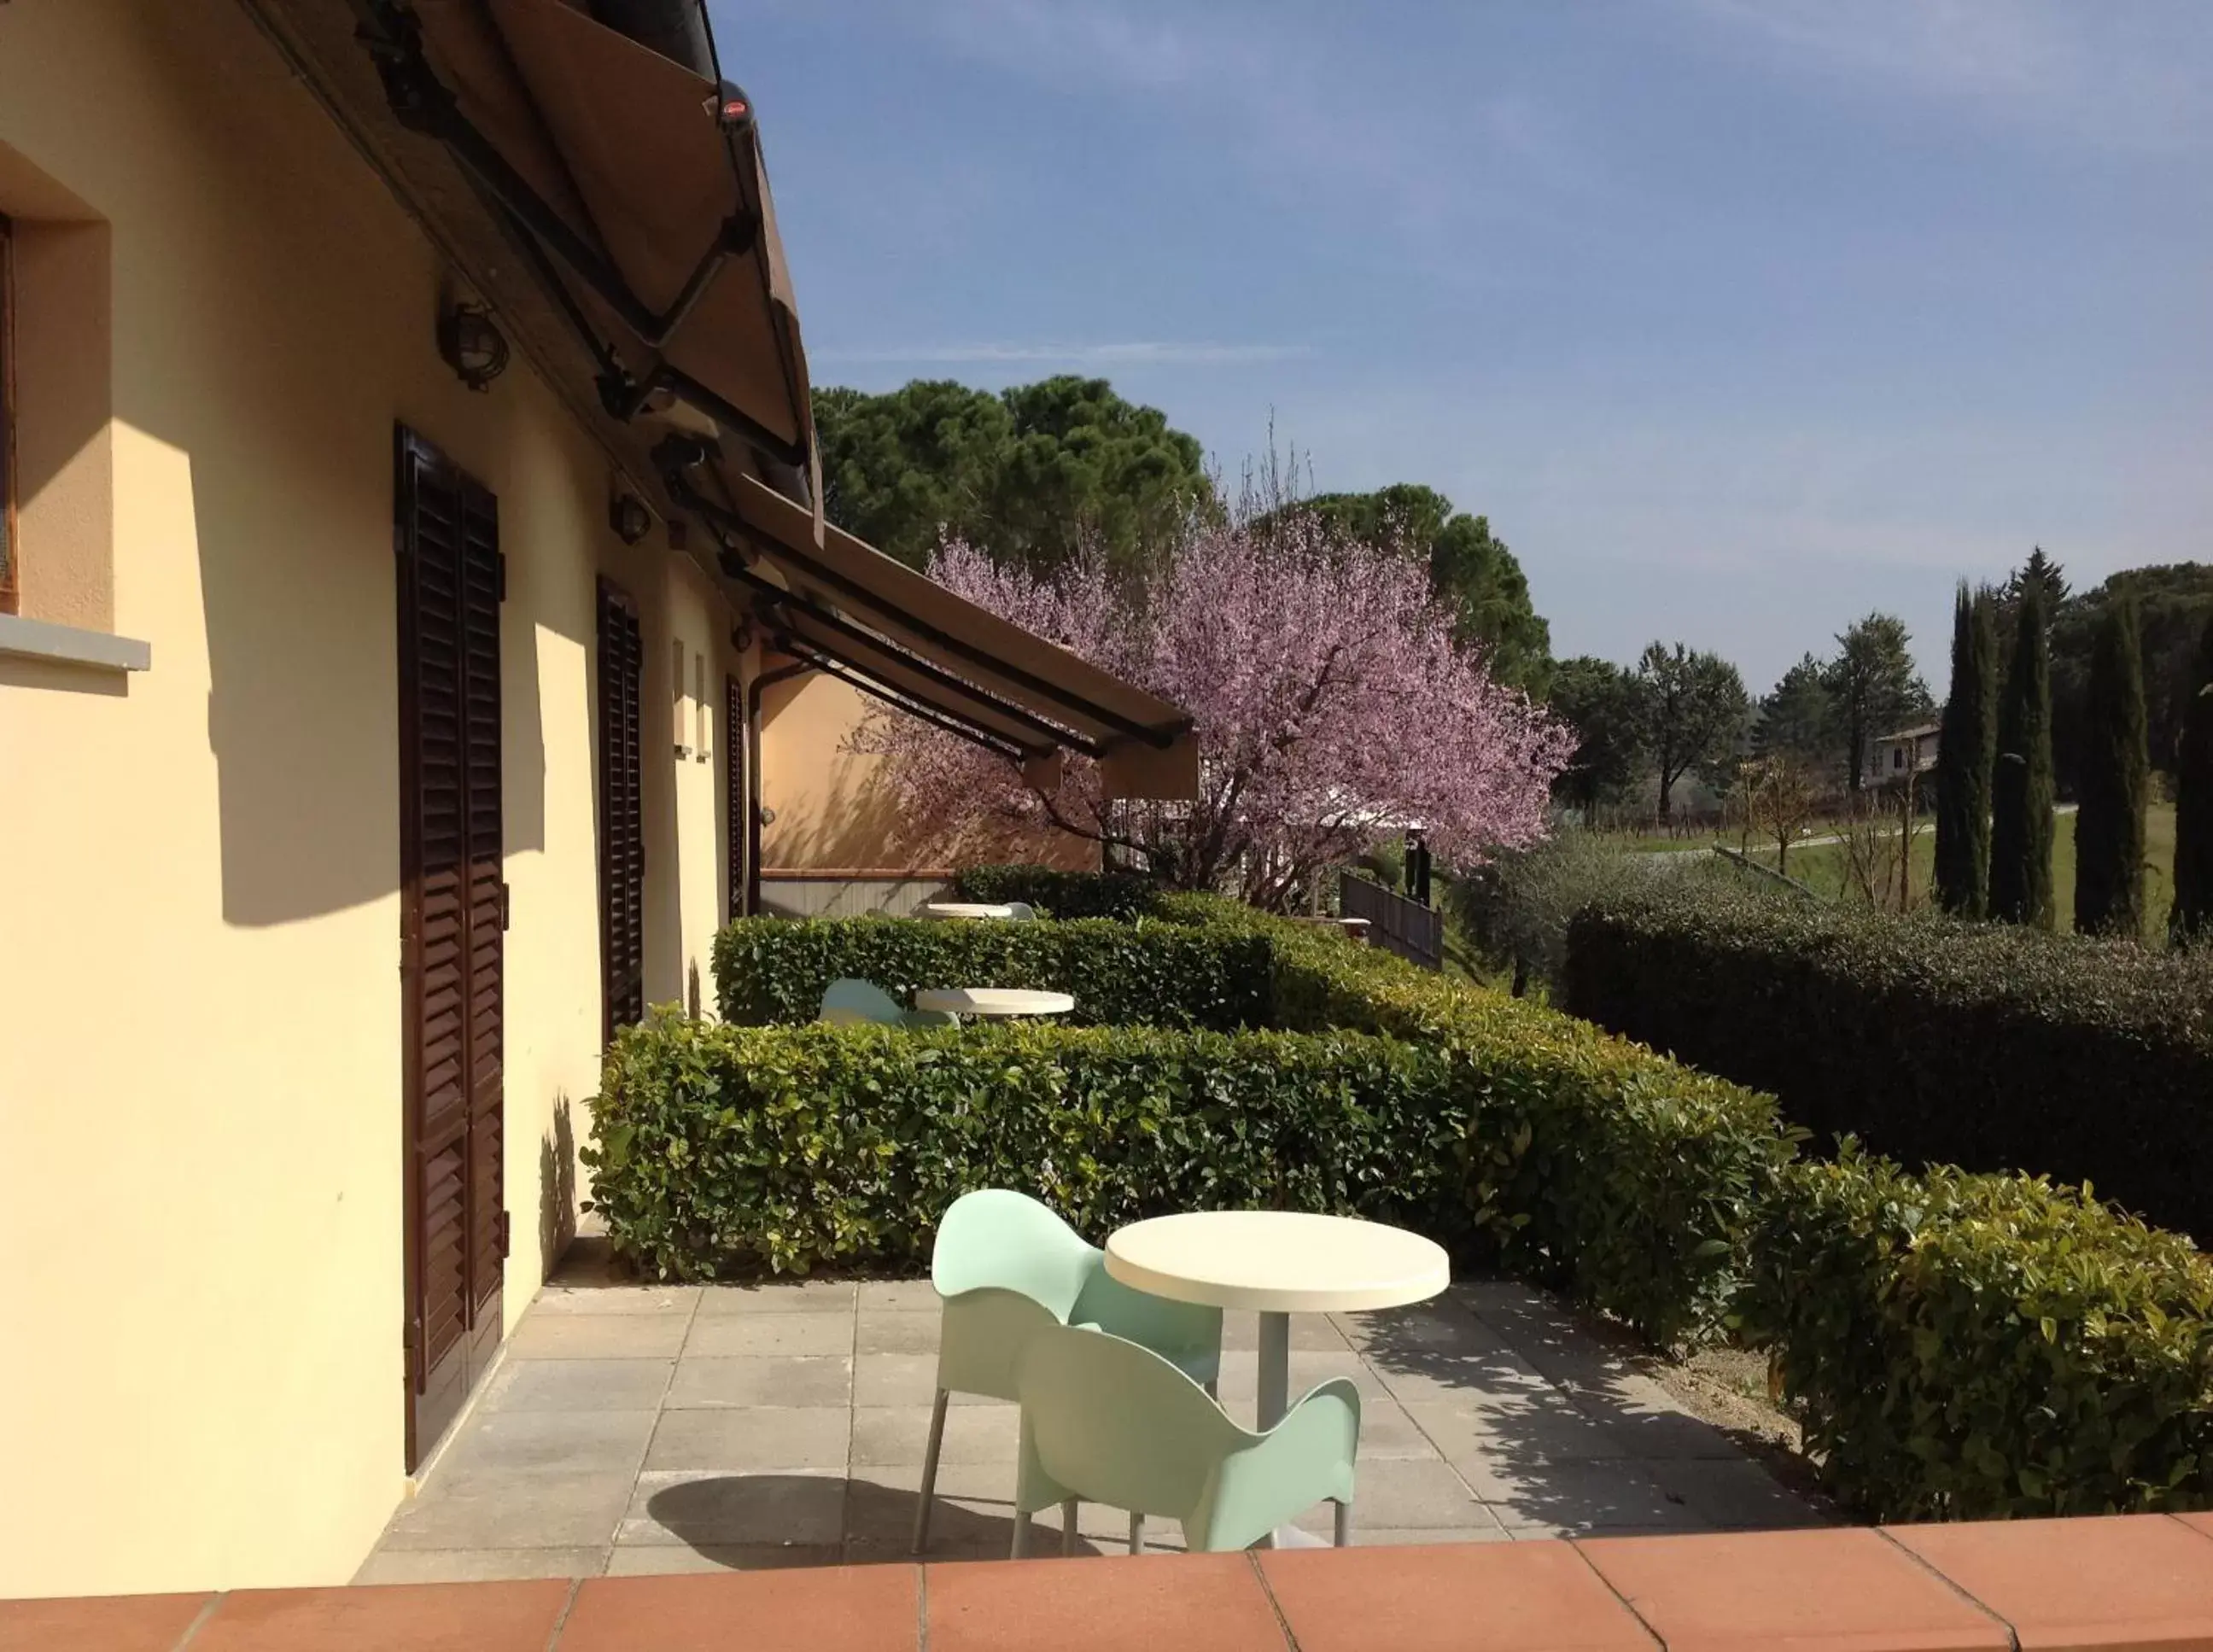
<point x="1739" y="318"/>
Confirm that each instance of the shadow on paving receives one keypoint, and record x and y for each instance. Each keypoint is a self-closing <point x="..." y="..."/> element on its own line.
<point x="878" y="1521"/>
<point x="1562" y="1423"/>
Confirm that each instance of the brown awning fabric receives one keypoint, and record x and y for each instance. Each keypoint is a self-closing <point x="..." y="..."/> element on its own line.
<point x="646" y="193"/>
<point x="631" y="183"/>
<point x="852" y="602"/>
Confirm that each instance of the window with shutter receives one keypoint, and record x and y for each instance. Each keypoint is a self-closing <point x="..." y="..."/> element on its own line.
<point x="9" y="582"/>
<point x="622" y="829"/>
<point x="454" y="909"/>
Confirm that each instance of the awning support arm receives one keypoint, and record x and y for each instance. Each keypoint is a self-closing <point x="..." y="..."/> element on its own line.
<point x="676" y="455"/>
<point x="855" y="679"/>
<point x="780" y="597"/>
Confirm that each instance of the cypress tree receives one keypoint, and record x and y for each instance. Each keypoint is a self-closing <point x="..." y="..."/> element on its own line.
<point x="1965" y="750"/>
<point x="2020" y="779"/>
<point x="2109" y="830"/>
<point x="2192" y="921"/>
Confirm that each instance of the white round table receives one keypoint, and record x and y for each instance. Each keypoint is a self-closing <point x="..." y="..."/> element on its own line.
<point x="967" y="909"/>
<point x="993" y="1003"/>
<point x="1279" y="1263"/>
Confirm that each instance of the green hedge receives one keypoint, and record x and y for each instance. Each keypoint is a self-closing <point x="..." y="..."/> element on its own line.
<point x="724" y="1148"/>
<point x="774" y="969"/>
<point x="1057" y="894"/>
<point x="1958" y="1345"/>
<point x="1579" y="1158"/>
<point x="1973" y="1347"/>
<point x="1992" y="1046"/>
<point x="1628" y="1180"/>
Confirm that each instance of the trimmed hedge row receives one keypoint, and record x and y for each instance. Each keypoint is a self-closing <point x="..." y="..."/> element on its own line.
<point x="1996" y="1047"/>
<point x="1969" y="1347"/>
<point x="724" y="1148"/>
<point x="1622" y="1178"/>
<point x="770" y="969"/>
<point x="1959" y="1346"/>
<point x="1576" y="1158"/>
<point x="1057" y="894"/>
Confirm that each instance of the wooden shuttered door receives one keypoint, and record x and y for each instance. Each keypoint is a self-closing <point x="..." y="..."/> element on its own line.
<point x="454" y="909"/>
<point x="737" y="805"/>
<point x="622" y="826"/>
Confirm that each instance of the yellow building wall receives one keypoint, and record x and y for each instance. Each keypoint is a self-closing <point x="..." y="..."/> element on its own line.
<point x="200" y="1084"/>
<point x="830" y="809"/>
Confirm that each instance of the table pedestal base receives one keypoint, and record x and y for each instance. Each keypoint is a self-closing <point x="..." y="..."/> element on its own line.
<point x="1275" y="1398"/>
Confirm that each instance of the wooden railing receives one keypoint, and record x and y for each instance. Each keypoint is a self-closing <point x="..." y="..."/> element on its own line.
<point x="1415" y="932"/>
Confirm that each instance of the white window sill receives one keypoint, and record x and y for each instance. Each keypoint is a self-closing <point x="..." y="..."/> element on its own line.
<point x="37" y="639"/>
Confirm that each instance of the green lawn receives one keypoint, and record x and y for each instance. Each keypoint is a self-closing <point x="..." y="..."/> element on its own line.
<point x="1822" y="868"/>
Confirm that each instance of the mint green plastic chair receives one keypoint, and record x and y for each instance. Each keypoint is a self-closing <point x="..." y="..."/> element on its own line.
<point x="1007" y="1268"/>
<point x="849" y="1003"/>
<point x="1021" y="912"/>
<point x="1106" y="1421"/>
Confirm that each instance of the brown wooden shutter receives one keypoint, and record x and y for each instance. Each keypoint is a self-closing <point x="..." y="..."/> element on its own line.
<point x="622" y="827"/>
<point x="10" y="580"/>
<point x="454" y="907"/>
<point x="737" y="806"/>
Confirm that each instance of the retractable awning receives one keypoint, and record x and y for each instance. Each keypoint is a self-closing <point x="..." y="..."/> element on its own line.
<point x="843" y="599"/>
<point x="627" y="173"/>
<point x="634" y="183"/>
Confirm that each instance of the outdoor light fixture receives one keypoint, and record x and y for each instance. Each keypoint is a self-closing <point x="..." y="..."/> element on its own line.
<point x="732" y="106"/>
<point x="469" y="344"/>
<point x="628" y="516"/>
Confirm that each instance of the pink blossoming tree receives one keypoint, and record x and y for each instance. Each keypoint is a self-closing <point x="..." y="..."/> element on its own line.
<point x="1333" y="711"/>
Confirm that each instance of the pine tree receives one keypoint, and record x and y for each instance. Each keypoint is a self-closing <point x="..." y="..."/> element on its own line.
<point x="2109" y="830"/>
<point x="1965" y="750"/>
<point x="2021" y="782"/>
<point x="2192" y="921"/>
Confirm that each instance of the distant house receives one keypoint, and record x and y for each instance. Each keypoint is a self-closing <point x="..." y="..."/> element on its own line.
<point x="1907" y="750"/>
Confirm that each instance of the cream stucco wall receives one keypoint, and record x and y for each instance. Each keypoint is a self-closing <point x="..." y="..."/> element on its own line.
<point x="830" y="810"/>
<point x="200" y="1081"/>
<point x="834" y="812"/>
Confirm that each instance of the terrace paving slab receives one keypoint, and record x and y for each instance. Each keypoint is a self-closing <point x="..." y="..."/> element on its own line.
<point x="779" y="1380"/>
<point x="793" y="1297"/>
<point x="745" y="1336"/>
<point x="631" y="1428"/>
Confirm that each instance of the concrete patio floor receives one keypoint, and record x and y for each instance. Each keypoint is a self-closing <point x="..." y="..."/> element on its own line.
<point x="634" y="1428"/>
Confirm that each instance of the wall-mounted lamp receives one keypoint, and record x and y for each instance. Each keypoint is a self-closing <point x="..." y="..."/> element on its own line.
<point x="732" y="107"/>
<point x="628" y="516"/>
<point x="471" y="344"/>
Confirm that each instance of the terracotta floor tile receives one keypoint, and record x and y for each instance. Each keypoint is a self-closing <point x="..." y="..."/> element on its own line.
<point x="2197" y="1522"/>
<point x="1527" y="1597"/>
<point x="2113" y="1580"/>
<point x="115" y="1622"/>
<point x="380" y="1618"/>
<point x="824" y="1609"/>
<point x="1145" y="1603"/>
<point x="1838" y="1591"/>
